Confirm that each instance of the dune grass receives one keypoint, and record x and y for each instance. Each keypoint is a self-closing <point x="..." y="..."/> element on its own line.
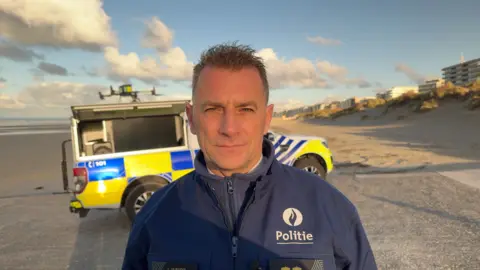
<point x="417" y="102"/>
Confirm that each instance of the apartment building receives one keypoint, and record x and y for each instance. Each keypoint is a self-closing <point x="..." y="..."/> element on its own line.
<point x="348" y="103"/>
<point x="462" y="73"/>
<point x="431" y="85"/>
<point x="292" y="112"/>
<point x="318" y="106"/>
<point x="397" y="91"/>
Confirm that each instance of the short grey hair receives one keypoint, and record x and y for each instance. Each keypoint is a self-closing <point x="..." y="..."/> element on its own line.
<point x="231" y="56"/>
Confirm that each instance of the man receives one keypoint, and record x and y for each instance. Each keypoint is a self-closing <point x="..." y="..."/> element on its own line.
<point x="240" y="208"/>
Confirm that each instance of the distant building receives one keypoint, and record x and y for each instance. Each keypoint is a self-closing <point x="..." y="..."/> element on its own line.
<point x="462" y="73"/>
<point x="348" y="103"/>
<point x="334" y="105"/>
<point x="431" y="85"/>
<point x="397" y="91"/>
<point x="292" y="112"/>
<point x="318" y="106"/>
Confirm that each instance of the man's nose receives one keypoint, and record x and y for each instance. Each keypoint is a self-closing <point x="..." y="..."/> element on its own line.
<point x="229" y="123"/>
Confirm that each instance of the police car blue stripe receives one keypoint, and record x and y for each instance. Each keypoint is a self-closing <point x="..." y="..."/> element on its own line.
<point x="280" y="153"/>
<point x="181" y="160"/>
<point x="107" y="169"/>
<point x="292" y="151"/>
<point x="277" y="144"/>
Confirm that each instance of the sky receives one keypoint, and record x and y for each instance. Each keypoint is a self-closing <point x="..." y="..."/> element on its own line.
<point x="54" y="54"/>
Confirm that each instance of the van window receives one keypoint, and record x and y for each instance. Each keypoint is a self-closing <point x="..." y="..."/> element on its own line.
<point x="131" y="134"/>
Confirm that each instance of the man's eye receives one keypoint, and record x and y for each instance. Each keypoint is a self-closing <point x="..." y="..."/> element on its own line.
<point x="247" y="109"/>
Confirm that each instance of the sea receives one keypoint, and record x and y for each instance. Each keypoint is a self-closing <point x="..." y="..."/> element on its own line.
<point x="33" y="125"/>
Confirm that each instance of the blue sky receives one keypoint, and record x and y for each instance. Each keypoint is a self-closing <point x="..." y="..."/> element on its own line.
<point x="375" y="37"/>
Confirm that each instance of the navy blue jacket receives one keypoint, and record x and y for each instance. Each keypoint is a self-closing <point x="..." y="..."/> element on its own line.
<point x="276" y="216"/>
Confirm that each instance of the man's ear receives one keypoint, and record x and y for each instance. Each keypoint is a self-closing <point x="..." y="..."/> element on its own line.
<point x="268" y="118"/>
<point x="191" y="124"/>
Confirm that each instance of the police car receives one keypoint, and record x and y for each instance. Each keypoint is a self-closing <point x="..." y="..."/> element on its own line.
<point x="119" y="160"/>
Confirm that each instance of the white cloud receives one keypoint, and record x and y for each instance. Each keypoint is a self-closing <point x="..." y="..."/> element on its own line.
<point x="331" y="70"/>
<point x="84" y="24"/>
<point x="304" y="73"/>
<point x="339" y="75"/>
<point x="55" y="98"/>
<point x="171" y="63"/>
<point x="67" y="24"/>
<point x="298" y="72"/>
<point x="59" y="94"/>
<point x="412" y="74"/>
<point x="157" y="35"/>
<point x="324" y="41"/>
<point x="8" y="102"/>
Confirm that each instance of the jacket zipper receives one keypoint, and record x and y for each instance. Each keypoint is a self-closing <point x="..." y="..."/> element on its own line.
<point x="220" y="208"/>
<point x="242" y="215"/>
<point x="230" y="220"/>
<point x="231" y="201"/>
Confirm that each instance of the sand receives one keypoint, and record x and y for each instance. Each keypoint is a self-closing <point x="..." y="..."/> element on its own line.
<point x="449" y="135"/>
<point x="417" y="220"/>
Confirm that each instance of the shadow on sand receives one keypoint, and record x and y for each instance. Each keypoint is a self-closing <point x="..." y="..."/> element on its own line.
<point x="100" y="241"/>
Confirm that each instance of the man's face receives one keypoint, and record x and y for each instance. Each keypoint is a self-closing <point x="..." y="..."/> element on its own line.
<point x="230" y="116"/>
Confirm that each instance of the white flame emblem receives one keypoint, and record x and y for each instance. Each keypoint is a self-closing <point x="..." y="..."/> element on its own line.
<point x="292" y="217"/>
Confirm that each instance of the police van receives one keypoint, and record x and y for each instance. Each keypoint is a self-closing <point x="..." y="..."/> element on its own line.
<point x="122" y="153"/>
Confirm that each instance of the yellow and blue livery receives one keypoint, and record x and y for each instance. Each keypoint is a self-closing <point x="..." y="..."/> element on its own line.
<point x="127" y="179"/>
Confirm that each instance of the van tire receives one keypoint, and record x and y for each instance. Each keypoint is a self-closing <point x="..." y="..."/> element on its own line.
<point x="137" y="195"/>
<point x="311" y="163"/>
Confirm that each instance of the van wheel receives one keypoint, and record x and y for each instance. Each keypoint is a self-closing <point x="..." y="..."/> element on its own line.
<point x="138" y="196"/>
<point x="312" y="165"/>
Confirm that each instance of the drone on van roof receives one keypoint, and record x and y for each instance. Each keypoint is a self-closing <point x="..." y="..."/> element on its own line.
<point x="126" y="91"/>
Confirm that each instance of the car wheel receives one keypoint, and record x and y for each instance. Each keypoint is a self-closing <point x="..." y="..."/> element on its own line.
<point x="312" y="165"/>
<point x="138" y="197"/>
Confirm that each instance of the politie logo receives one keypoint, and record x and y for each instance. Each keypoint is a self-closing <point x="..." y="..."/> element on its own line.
<point x="293" y="218"/>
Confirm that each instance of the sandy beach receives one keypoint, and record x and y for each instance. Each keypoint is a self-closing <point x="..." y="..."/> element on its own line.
<point x="447" y="135"/>
<point x="406" y="215"/>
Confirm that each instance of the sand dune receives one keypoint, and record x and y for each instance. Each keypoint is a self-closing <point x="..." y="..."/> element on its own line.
<point x="448" y="134"/>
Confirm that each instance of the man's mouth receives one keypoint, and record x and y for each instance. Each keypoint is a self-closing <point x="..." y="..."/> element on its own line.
<point x="230" y="145"/>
